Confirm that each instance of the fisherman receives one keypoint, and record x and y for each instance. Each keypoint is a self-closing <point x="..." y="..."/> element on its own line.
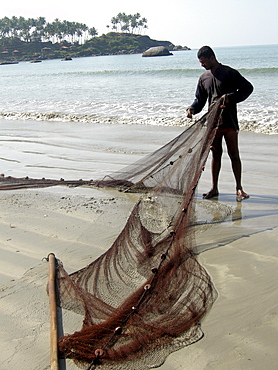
<point x="221" y="81"/>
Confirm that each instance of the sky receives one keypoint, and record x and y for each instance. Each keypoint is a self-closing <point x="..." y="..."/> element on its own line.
<point x="191" y="23"/>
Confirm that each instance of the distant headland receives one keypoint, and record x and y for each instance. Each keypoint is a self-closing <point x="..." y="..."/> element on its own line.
<point x="112" y="43"/>
<point x="34" y="39"/>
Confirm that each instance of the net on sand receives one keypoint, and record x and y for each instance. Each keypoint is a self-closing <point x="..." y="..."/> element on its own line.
<point x="145" y="297"/>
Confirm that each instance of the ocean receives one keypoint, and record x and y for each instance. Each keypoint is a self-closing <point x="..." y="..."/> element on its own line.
<point x="134" y="90"/>
<point x="69" y="118"/>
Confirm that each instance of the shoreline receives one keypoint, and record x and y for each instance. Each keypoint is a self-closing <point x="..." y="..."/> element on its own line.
<point x="94" y="119"/>
<point x="79" y="224"/>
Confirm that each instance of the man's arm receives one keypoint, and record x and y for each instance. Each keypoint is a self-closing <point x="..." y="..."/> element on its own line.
<point x="244" y="89"/>
<point x="199" y="102"/>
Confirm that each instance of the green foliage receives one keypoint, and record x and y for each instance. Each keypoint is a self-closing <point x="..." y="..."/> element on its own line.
<point x="25" y="39"/>
<point x="114" y="42"/>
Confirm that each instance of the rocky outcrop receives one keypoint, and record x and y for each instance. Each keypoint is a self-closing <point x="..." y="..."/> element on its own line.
<point x="156" y="51"/>
<point x="179" y="47"/>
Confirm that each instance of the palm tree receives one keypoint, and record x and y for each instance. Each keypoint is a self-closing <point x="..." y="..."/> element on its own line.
<point x="84" y="31"/>
<point x="49" y="31"/>
<point x="123" y="20"/>
<point x="14" y="26"/>
<point x="128" y="23"/>
<point x="6" y="26"/>
<point x="134" y="21"/>
<point x="93" y="32"/>
<point x="142" y="24"/>
<point x="25" y="27"/>
<point x="38" y="32"/>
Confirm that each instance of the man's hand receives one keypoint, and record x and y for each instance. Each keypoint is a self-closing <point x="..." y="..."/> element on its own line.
<point x="225" y="100"/>
<point x="189" y="113"/>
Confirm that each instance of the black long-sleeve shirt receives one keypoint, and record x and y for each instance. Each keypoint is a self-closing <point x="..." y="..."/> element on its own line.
<point x="224" y="80"/>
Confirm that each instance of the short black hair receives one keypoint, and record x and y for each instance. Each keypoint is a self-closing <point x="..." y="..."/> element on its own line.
<point x="205" y="52"/>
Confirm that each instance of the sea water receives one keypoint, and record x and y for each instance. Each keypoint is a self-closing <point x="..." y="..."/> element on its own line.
<point x="88" y="117"/>
<point x="135" y="90"/>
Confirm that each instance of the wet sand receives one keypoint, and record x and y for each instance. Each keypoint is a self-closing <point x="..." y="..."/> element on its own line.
<point x="79" y="224"/>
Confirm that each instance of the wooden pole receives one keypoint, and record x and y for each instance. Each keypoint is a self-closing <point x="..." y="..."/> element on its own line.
<point x="54" y="364"/>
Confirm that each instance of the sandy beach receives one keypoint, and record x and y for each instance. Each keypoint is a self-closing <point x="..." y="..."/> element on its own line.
<point x="79" y="224"/>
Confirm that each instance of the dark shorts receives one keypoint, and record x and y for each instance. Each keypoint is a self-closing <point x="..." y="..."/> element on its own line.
<point x="221" y="133"/>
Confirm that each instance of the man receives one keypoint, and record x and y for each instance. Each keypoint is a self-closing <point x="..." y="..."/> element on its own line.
<point x="221" y="81"/>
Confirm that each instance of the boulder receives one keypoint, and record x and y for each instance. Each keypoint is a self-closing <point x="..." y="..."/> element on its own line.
<point x="156" y="51"/>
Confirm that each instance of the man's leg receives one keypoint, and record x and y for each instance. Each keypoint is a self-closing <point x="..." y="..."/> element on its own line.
<point x="231" y="139"/>
<point x="217" y="151"/>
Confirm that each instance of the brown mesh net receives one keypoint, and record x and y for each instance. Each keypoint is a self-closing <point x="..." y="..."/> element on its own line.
<point x="145" y="297"/>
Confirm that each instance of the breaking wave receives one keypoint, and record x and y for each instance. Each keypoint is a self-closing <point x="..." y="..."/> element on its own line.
<point x="266" y="124"/>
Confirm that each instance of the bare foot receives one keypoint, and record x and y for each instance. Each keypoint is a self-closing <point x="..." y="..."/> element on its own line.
<point x="241" y="195"/>
<point x="212" y="193"/>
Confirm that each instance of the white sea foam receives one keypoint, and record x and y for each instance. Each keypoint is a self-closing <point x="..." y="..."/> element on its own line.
<point x="265" y="124"/>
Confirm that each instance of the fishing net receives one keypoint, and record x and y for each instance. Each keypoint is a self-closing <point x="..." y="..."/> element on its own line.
<point x="145" y="297"/>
